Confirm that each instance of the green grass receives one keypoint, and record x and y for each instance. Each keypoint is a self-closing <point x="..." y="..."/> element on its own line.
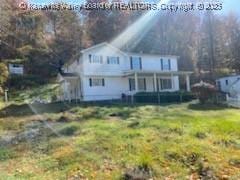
<point x="44" y="92"/>
<point x="102" y="142"/>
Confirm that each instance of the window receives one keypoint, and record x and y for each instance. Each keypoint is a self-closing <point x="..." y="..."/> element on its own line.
<point x="166" y="84"/>
<point x="165" y="64"/>
<point x="96" y="82"/>
<point x="136" y="62"/>
<point x="219" y="85"/>
<point x="141" y="84"/>
<point x="16" y="65"/>
<point x="226" y="81"/>
<point x="95" y="59"/>
<point x="132" y="84"/>
<point x="112" y="60"/>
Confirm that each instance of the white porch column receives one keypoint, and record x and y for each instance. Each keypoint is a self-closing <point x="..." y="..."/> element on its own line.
<point x="188" y="83"/>
<point x="172" y="81"/>
<point x="136" y="82"/>
<point x="155" y="82"/>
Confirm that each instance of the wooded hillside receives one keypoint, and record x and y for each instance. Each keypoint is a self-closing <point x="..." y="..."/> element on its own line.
<point x="207" y="43"/>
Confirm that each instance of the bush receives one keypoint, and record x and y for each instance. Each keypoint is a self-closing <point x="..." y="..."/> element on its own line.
<point x="163" y="97"/>
<point x="69" y="130"/>
<point x="6" y="154"/>
<point x="204" y="91"/>
<point x="1" y="91"/>
<point x="25" y="81"/>
<point x="3" y="73"/>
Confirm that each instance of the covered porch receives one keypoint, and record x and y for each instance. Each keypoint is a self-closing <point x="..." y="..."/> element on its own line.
<point x="70" y="87"/>
<point x="156" y="81"/>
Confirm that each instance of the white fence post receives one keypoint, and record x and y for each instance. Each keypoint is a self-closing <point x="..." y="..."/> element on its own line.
<point x="6" y="95"/>
<point x="227" y="97"/>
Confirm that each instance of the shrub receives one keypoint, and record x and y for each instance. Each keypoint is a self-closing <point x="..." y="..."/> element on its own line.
<point x="133" y="124"/>
<point x="163" y="97"/>
<point x="25" y="81"/>
<point x="204" y="91"/>
<point x="69" y="130"/>
<point x="3" y="73"/>
<point x="6" y="154"/>
<point x="200" y="135"/>
<point x="235" y="162"/>
<point x="1" y="91"/>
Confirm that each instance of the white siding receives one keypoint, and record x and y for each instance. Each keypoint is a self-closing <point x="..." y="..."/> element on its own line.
<point x="15" y="69"/>
<point x="115" y="83"/>
<point x="226" y="87"/>
<point x="235" y="89"/>
<point x="149" y="63"/>
<point x="113" y="89"/>
<point x="153" y="63"/>
<point x="104" y="68"/>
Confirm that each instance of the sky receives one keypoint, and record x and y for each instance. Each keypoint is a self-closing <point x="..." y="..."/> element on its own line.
<point x="228" y="5"/>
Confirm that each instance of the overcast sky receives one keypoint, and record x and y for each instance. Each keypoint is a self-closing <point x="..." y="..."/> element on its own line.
<point x="228" y="5"/>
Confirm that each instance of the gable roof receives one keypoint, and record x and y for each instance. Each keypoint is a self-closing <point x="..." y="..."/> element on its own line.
<point x="235" y="82"/>
<point x="102" y="45"/>
<point x="62" y="76"/>
<point x="227" y="77"/>
<point x="120" y="51"/>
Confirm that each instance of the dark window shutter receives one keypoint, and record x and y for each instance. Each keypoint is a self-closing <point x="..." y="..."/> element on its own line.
<point x="161" y="64"/>
<point x="144" y="81"/>
<point x="118" y="61"/>
<point x="103" y="82"/>
<point x="169" y="64"/>
<point x="130" y="85"/>
<point x="108" y="60"/>
<point x="140" y="62"/>
<point x="131" y="63"/>
<point x="90" y="82"/>
<point x="90" y="58"/>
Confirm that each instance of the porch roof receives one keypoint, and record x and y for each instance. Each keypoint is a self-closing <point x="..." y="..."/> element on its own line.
<point x="149" y="72"/>
<point x="64" y="76"/>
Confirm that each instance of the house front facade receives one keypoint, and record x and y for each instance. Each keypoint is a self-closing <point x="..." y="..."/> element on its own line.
<point x="104" y="72"/>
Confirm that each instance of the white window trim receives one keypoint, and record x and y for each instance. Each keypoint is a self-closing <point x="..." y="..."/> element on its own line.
<point x="96" y="82"/>
<point x="115" y="61"/>
<point x="160" y="85"/>
<point x="92" y="59"/>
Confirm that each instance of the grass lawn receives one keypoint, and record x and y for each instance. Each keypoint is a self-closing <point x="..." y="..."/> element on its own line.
<point x="179" y="141"/>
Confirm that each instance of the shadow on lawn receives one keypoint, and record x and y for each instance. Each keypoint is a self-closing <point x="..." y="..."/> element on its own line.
<point x="16" y="110"/>
<point x="24" y="109"/>
<point x="207" y="107"/>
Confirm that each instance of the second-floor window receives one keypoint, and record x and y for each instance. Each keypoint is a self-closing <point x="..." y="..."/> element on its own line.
<point x="165" y="64"/>
<point x="136" y="62"/>
<point x="97" y="59"/>
<point x="112" y="60"/>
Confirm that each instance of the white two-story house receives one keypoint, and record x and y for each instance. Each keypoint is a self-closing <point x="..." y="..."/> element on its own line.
<point x="104" y="72"/>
